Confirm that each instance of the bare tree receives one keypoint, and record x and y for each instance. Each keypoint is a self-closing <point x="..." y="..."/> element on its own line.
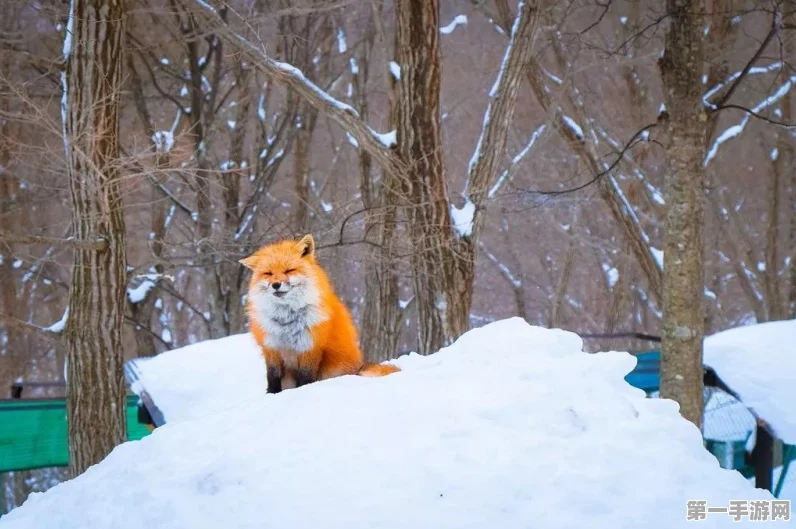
<point x="683" y="274"/>
<point x="92" y="83"/>
<point x="443" y="260"/>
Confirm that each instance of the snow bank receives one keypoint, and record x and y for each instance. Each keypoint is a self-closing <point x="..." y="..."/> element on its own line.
<point x="512" y="426"/>
<point x="758" y="363"/>
<point x="210" y="376"/>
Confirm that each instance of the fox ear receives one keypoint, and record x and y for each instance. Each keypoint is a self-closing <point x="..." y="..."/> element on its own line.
<point x="307" y="245"/>
<point x="249" y="262"/>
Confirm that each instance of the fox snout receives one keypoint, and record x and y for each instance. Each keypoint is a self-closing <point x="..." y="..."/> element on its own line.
<point x="279" y="289"/>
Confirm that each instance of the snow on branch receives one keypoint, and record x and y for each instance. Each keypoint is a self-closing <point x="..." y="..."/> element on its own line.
<point x="291" y="77"/>
<point x="137" y="294"/>
<point x="774" y="66"/>
<point x="504" y="176"/>
<point x="736" y="130"/>
<point x="54" y="329"/>
<point x="486" y="159"/>
<point x="507" y="274"/>
<point x="59" y="326"/>
<point x="459" y="20"/>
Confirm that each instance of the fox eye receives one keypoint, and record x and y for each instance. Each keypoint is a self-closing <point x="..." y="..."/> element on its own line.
<point x="267" y="274"/>
<point x="290" y="270"/>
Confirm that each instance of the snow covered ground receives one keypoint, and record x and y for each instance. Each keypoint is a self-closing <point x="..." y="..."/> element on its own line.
<point x="512" y="426"/>
<point x="210" y="376"/>
<point x="759" y="363"/>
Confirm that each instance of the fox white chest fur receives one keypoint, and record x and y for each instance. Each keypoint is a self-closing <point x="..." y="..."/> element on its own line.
<point x="287" y="320"/>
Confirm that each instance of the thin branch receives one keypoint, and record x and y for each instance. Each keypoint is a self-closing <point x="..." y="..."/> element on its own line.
<point x="734" y="86"/>
<point x="757" y="115"/>
<point x="621" y="155"/>
<point x="130" y="321"/>
<point x="291" y="77"/>
<point x="19" y="238"/>
<point x="20" y="324"/>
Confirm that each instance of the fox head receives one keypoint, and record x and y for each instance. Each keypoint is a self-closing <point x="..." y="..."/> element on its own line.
<point x="284" y="273"/>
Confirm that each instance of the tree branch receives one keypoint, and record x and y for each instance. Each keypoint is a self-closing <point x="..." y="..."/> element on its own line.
<point x="291" y="77"/>
<point x="485" y="162"/>
<point x="734" y="86"/>
<point x="756" y="115"/>
<point x="20" y="324"/>
<point x="19" y="238"/>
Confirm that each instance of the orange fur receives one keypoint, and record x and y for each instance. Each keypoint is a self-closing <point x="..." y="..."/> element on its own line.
<point x="331" y="342"/>
<point x="377" y="370"/>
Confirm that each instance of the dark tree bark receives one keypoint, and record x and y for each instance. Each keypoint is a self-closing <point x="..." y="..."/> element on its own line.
<point x="141" y="313"/>
<point x="438" y="270"/>
<point x="683" y="275"/>
<point x="444" y="257"/>
<point x="92" y="82"/>
<point x="382" y="315"/>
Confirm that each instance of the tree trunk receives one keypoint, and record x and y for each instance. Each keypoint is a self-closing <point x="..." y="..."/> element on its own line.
<point x="683" y="275"/>
<point x="563" y="284"/>
<point x="301" y="167"/>
<point x="442" y="284"/>
<point x="783" y="168"/>
<point x="229" y="276"/>
<point x="491" y="147"/>
<point x="92" y="84"/>
<point x="382" y="315"/>
<point x="142" y="312"/>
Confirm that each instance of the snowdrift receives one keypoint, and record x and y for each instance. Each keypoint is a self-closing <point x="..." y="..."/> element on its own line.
<point x="512" y="426"/>
<point x="209" y="376"/>
<point x="759" y="363"/>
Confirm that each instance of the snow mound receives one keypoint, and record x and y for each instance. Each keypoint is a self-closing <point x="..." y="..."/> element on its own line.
<point x="758" y="362"/>
<point x="210" y="376"/>
<point x="511" y="426"/>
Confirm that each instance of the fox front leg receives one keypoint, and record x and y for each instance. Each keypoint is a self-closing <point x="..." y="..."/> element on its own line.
<point x="308" y="367"/>
<point x="274" y="378"/>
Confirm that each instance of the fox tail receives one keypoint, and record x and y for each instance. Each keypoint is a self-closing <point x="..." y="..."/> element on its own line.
<point x="377" y="370"/>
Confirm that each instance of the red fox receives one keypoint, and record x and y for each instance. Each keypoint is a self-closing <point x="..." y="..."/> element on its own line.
<point x="305" y="332"/>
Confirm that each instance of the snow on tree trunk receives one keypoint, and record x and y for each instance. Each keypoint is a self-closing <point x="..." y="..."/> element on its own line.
<point x="683" y="275"/>
<point x="92" y="83"/>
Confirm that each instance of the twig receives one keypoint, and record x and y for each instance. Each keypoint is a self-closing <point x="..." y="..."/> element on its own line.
<point x="20" y="324"/>
<point x="19" y="238"/>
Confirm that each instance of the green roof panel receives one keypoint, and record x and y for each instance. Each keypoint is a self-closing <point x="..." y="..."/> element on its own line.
<point x="33" y="432"/>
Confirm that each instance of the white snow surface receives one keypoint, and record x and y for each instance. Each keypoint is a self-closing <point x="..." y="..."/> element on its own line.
<point x="388" y="139"/>
<point x="214" y="375"/>
<point x="458" y="20"/>
<point x="60" y="325"/>
<point x="758" y="362"/>
<point x="512" y="426"/>
<point x="395" y="70"/>
<point x="138" y="294"/>
<point x="462" y="218"/>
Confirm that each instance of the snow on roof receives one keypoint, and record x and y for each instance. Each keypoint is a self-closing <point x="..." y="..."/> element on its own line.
<point x="190" y="382"/>
<point x="727" y="419"/>
<point x="758" y="363"/>
<point x="511" y="426"/>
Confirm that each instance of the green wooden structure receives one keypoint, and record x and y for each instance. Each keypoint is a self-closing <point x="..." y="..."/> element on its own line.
<point x="731" y="454"/>
<point x="33" y="432"/>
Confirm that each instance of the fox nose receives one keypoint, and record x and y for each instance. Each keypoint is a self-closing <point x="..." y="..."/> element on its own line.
<point x="276" y="286"/>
